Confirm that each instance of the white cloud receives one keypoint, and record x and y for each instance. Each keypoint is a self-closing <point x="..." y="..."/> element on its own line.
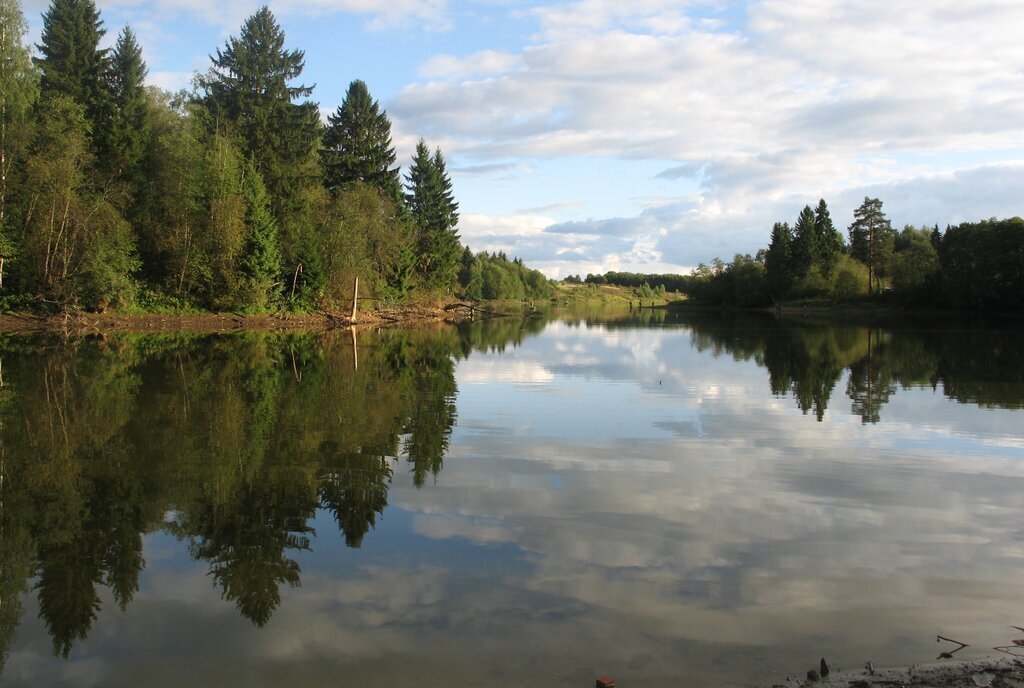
<point x="170" y="81"/>
<point x="483" y="63"/>
<point x="797" y="101"/>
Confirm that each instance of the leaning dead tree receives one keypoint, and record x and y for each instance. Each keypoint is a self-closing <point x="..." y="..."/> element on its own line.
<point x="472" y="310"/>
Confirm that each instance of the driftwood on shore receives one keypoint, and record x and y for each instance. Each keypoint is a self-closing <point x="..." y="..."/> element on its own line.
<point x="473" y="310"/>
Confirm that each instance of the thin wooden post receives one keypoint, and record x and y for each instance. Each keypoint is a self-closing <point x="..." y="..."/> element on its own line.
<point x="355" y="297"/>
<point x="295" y="280"/>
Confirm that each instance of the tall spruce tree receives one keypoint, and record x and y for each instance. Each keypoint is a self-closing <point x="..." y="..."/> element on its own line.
<point x="830" y="241"/>
<point x="261" y="258"/>
<point x="250" y="95"/>
<point x="19" y="86"/>
<point x="130" y="128"/>
<point x="436" y="214"/>
<point x="806" y="249"/>
<point x="71" y="62"/>
<point x="871" y="238"/>
<point x="357" y="145"/>
<point x="778" y="261"/>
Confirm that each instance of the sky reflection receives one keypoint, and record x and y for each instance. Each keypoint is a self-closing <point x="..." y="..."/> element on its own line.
<point x="616" y="501"/>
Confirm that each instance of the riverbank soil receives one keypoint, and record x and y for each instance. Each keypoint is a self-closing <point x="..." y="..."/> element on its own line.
<point x="84" y="323"/>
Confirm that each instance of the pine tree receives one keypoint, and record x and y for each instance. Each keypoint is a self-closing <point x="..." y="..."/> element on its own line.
<point x="130" y="129"/>
<point x="778" y="261"/>
<point x="435" y="214"/>
<point x="357" y="145"/>
<point x="830" y="241"/>
<point x="19" y="85"/>
<point x="871" y="238"/>
<point x="806" y="249"/>
<point x="72" y="64"/>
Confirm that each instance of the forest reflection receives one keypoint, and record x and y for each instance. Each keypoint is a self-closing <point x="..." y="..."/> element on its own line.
<point x="235" y="444"/>
<point x="231" y="443"/>
<point x="807" y="358"/>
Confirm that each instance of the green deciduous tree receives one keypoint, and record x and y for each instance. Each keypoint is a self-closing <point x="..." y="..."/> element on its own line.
<point x="172" y="202"/>
<point x="913" y="267"/>
<point x="19" y="83"/>
<point x="357" y="145"/>
<point x="365" y="236"/>
<point x="76" y="247"/>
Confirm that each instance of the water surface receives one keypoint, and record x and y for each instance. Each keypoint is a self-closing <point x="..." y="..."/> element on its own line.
<point x="670" y="500"/>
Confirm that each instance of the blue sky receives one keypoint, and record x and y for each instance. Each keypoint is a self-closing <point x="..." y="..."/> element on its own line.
<point x="652" y="135"/>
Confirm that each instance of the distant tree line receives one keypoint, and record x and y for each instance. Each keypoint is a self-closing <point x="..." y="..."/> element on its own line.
<point x="974" y="265"/>
<point x="492" y="276"/>
<point x="233" y="195"/>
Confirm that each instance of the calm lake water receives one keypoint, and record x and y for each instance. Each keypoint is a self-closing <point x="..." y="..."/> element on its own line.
<point x="669" y="500"/>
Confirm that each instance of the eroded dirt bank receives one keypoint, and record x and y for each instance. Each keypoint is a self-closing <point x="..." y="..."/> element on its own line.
<point x="83" y="323"/>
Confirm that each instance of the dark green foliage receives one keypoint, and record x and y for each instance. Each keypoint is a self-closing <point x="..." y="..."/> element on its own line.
<point x="357" y="145"/>
<point x="806" y="247"/>
<point x="71" y="63"/>
<point x="127" y="136"/>
<point x="982" y="264"/>
<point x="830" y="241"/>
<point x="676" y="283"/>
<point x="779" y="261"/>
<point x="913" y="268"/>
<point x="435" y="214"/>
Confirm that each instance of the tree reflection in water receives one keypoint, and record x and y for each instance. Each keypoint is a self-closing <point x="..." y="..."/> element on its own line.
<point x="233" y="443"/>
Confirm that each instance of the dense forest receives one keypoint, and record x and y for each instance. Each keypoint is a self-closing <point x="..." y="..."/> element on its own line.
<point x="231" y="195"/>
<point x="970" y="266"/>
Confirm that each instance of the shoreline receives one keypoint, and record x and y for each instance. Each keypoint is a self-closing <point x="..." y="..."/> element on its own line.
<point x="988" y="672"/>
<point x="105" y="323"/>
